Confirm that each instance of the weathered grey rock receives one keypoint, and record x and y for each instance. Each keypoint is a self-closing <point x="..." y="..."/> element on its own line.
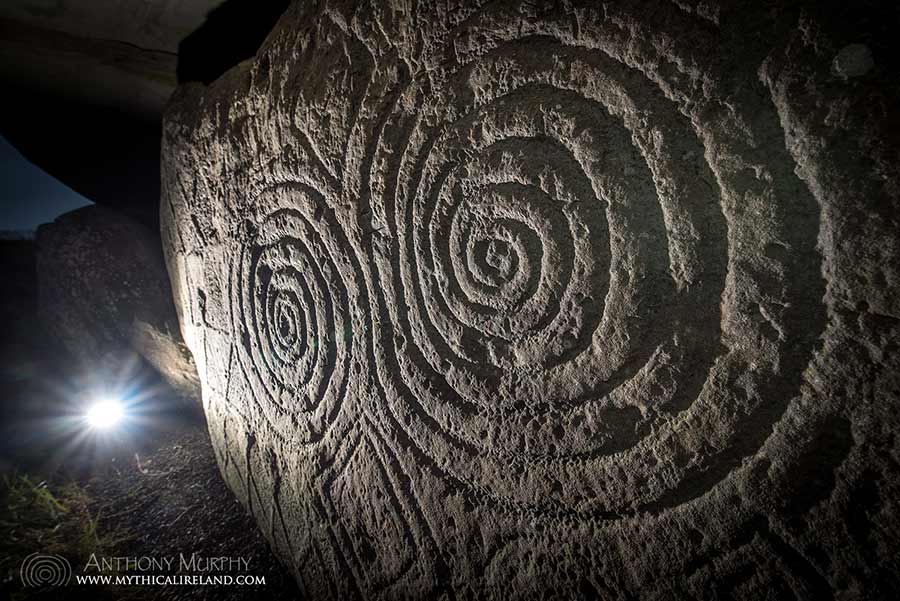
<point x="854" y="60"/>
<point x="104" y="294"/>
<point x="530" y="300"/>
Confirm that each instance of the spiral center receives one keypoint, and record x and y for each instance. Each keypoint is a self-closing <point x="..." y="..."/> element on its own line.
<point x="285" y="327"/>
<point x="286" y="324"/>
<point x="498" y="257"/>
<point x="495" y="261"/>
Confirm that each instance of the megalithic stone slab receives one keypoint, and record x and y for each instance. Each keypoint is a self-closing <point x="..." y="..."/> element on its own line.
<point x="104" y="296"/>
<point x="524" y="300"/>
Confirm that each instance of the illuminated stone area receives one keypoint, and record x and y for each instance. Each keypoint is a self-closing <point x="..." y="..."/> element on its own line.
<point x="586" y="300"/>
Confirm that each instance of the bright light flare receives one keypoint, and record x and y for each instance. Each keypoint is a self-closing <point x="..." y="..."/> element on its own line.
<point x="103" y="415"/>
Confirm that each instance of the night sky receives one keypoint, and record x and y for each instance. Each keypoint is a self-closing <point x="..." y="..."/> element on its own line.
<point x="30" y="196"/>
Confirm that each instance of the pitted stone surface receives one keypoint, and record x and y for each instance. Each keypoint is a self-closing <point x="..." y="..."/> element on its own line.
<point x="532" y="299"/>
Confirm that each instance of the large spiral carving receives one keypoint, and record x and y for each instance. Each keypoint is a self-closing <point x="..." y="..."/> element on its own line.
<point x="565" y="277"/>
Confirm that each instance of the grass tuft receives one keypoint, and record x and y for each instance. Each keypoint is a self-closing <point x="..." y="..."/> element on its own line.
<point x="38" y="516"/>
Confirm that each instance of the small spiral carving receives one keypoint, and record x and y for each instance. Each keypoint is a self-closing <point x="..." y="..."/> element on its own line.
<point x="291" y="307"/>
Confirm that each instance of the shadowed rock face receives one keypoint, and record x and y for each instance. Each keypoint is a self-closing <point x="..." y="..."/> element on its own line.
<point x="104" y="296"/>
<point x="571" y="301"/>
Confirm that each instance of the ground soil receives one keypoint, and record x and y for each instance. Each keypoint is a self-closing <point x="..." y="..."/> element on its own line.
<point x="173" y="501"/>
